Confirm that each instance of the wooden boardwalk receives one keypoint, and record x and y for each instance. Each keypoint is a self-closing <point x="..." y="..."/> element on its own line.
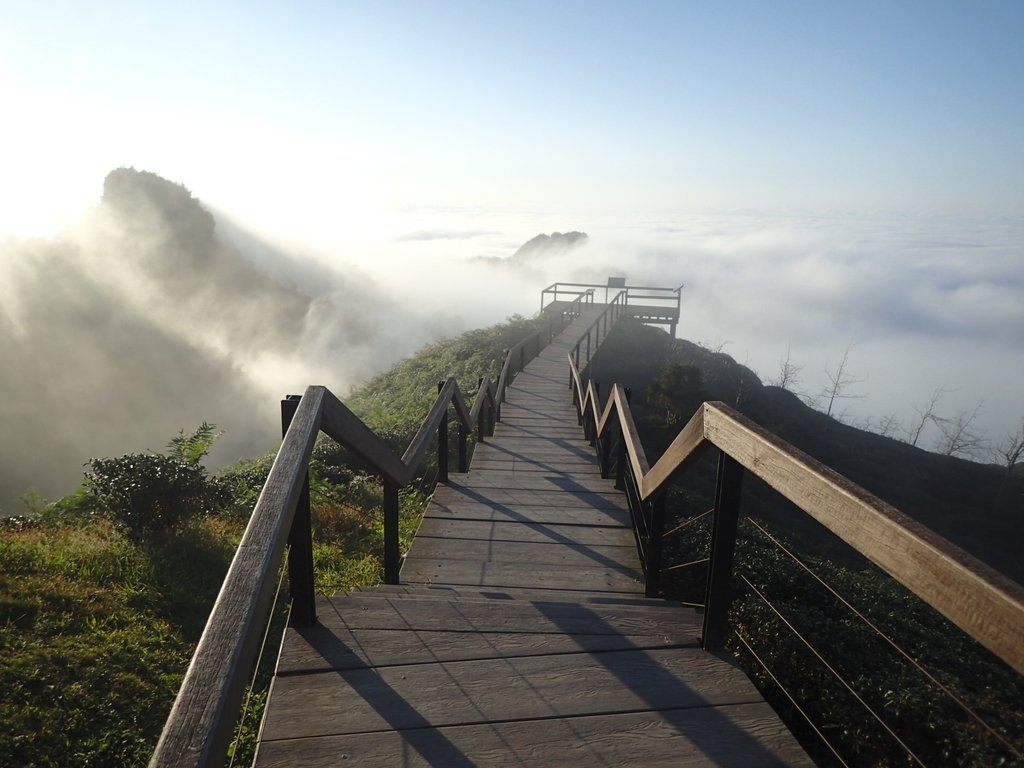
<point x="520" y="634"/>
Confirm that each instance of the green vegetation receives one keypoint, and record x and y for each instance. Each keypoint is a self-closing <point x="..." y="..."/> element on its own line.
<point x="103" y="594"/>
<point x="393" y="403"/>
<point x="149" y="495"/>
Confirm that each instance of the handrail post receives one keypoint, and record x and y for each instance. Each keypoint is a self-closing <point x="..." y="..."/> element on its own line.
<point x="300" y="541"/>
<point x="723" y="548"/>
<point x="620" y="452"/>
<point x="392" y="553"/>
<point x="442" y="443"/>
<point x="494" y="411"/>
<point x="653" y="585"/>
<point x="620" y="462"/>
<point x="481" y="419"/>
<point x="463" y="452"/>
<point x="606" y="453"/>
<point x="595" y="407"/>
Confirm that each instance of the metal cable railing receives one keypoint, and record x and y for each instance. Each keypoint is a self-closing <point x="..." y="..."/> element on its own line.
<point x="260" y="657"/>
<point x="965" y="708"/>
<point x="835" y="673"/>
<point x="792" y="700"/>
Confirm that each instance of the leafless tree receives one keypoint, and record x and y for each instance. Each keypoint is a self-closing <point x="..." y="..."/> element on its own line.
<point x="789" y="373"/>
<point x="839" y="382"/>
<point x="959" y="435"/>
<point x="1011" y="448"/>
<point x="715" y="348"/>
<point x="889" y="426"/>
<point x="924" y="414"/>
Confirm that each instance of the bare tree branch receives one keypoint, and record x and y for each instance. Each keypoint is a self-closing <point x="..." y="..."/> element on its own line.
<point x="889" y="425"/>
<point x="924" y="414"/>
<point x="1011" y="448"/>
<point x="839" y="381"/>
<point x="789" y="373"/>
<point x="959" y="436"/>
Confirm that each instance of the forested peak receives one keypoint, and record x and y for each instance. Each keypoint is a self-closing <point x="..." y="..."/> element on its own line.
<point x="128" y="190"/>
<point x="549" y="245"/>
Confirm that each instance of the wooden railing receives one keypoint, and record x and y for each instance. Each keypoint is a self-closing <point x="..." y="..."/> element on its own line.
<point x="198" y="730"/>
<point x="597" y="331"/>
<point x="581" y="291"/>
<point x="979" y="600"/>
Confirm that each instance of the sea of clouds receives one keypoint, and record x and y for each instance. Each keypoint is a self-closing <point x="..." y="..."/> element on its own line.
<point x="915" y="305"/>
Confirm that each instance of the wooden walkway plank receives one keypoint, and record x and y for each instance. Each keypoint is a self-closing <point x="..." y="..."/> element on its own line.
<point x="362" y="611"/>
<point x="748" y="735"/>
<point x="519" y="688"/>
<point x="488" y="574"/>
<point x="520" y="634"/>
<point x="489" y="530"/>
<point x="530" y="514"/>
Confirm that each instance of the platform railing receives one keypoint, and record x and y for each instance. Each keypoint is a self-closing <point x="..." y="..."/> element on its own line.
<point x="669" y="299"/>
<point x="583" y="292"/>
<point x="982" y="602"/>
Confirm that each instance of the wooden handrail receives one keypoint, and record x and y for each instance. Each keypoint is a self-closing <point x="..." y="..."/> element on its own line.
<point x="981" y="601"/>
<point x="199" y="728"/>
<point x="484" y="419"/>
<point x="612" y="313"/>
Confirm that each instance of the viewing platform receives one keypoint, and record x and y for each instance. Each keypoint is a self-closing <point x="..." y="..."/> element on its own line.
<point x="646" y="303"/>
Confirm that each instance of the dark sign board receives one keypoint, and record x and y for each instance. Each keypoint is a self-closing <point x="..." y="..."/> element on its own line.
<point x="616" y="282"/>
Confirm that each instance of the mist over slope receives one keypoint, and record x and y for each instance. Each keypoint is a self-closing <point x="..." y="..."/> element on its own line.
<point x="140" y="320"/>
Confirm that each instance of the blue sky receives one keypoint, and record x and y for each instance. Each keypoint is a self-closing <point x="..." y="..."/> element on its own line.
<point x="909" y="107"/>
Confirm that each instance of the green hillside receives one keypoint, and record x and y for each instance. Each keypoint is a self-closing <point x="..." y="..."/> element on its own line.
<point x="100" y="613"/>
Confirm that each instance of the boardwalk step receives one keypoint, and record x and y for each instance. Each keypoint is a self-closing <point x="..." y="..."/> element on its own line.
<point x="516" y="575"/>
<point x="505" y="596"/>
<point x="733" y="735"/>
<point x="367" y="611"/>
<point x="506" y="531"/>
